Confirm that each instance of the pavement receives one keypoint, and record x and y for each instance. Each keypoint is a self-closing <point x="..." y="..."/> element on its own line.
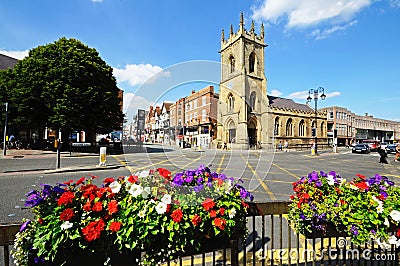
<point x="42" y="154"/>
<point x="23" y="154"/>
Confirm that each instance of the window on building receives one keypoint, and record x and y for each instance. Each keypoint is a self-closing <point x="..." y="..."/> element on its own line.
<point x="195" y="104"/>
<point x="302" y="128"/>
<point x="232" y="63"/>
<point x="204" y="115"/>
<point x="276" y="126"/>
<point x="289" y="127"/>
<point x="231" y="102"/>
<point x="253" y="100"/>
<point x="331" y="115"/>
<point x="204" y="100"/>
<point x="190" y="118"/>
<point x="252" y="62"/>
<point x="322" y="129"/>
<point x="231" y="132"/>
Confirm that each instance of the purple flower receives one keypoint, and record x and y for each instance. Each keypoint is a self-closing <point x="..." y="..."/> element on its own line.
<point x="178" y="180"/>
<point x="313" y="177"/>
<point x="222" y="176"/>
<point x="33" y="199"/>
<point x="200" y="180"/>
<point x="46" y="191"/>
<point x="302" y="216"/>
<point x="354" y="230"/>
<point x="24" y="225"/>
<point x="189" y="179"/>
<point x="198" y="188"/>
<point x="384" y="194"/>
<point x="373" y="232"/>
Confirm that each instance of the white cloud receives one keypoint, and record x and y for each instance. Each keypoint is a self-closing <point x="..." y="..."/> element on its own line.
<point x="303" y="95"/>
<point x="395" y="3"/>
<point x="322" y="34"/>
<point x="137" y="74"/>
<point x="15" y="54"/>
<point x="305" y="13"/>
<point x="134" y="102"/>
<point x="275" y="93"/>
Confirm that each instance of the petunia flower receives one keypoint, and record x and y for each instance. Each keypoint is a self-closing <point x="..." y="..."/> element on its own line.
<point x="136" y="190"/>
<point x="115" y="187"/>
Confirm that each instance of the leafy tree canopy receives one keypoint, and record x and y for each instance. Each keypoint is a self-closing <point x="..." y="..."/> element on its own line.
<point x="64" y="85"/>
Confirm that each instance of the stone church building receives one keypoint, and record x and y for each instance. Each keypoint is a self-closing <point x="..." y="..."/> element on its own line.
<point x="247" y="116"/>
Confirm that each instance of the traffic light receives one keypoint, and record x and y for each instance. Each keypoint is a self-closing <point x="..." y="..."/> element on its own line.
<point x="314" y="132"/>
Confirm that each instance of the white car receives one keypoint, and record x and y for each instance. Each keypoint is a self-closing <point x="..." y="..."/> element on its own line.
<point x="384" y="145"/>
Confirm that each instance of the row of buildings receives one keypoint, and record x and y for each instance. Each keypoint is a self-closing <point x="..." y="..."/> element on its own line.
<point x="243" y="115"/>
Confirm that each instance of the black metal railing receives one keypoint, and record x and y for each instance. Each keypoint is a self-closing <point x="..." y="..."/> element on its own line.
<point x="271" y="241"/>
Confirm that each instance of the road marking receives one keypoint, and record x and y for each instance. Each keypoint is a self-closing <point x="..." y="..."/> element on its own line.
<point x="286" y="171"/>
<point x="265" y="187"/>
<point x="133" y="170"/>
<point x="220" y="163"/>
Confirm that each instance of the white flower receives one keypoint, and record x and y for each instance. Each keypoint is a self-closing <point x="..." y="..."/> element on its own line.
<point x="161" y="208"/>
<point x="395" y="215"/>
<point x="115" y="187"/>
<point x="382" y="245"/>
<point x="143" y="174"/>
<point x="330" y="179"/>
<point x="136" y="190"/>
<point x="380" y="208"/>
<point x="353" y="187"/>
<point x="66" y="225"/>
<point x="386" y="222"/>
<point x="166" y="199"/>
<point x="146" y="192"/>
<point x="232" y="213"/>
<point x="142" y="213"/>
<point x="392" y="240"/>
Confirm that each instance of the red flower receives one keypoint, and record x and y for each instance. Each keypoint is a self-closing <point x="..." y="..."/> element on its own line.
<point x="67" y="215"/>
<point x="66" y="198"/>
<point x="164" y="173"/>
<point x="398" y="233"/>
<point x="245" y="205"/>
<point x="112" y="207"/>
<point x="213" y="214"/>
<point x="68" y="182"/>
<point x="196" y="220"/>
<point x="133" y="178"/>
<point x="80" y="181"/>
<point x="40" y="220"/>
<point x="177" y="215"/>
<point x="115" y="226"/>
<point x="220" y="223"/>
<point x="93" y="230"/>
<point x="222" y="211"/>
<point x="361" y="176"/>
<point x="98" y="206"/>
<point x="88" y="206"/>
<point x="220" y="182"/>
<point x="108" y="180"/>
<point x="208" y="204"/>
<point x="362" y="185"/>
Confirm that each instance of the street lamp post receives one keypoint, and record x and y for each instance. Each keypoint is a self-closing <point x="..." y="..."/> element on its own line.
<point x="5" y="130"/>
<point x="316" y="93"/>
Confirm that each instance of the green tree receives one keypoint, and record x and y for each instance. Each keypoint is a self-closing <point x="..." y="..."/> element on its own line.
<point x="65" y="85"/>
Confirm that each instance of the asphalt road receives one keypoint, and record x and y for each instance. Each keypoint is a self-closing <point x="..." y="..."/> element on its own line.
<point x="268" y="175"/>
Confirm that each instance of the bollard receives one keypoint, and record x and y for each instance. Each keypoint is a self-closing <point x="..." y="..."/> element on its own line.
<point x="103" y="156"/>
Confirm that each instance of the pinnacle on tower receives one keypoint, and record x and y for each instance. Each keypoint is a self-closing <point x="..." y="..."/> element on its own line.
<point x="231" y="29"/>
<point x="262" y="30"/>
<point x="223" y="35"/>
<point x="252" y="26"/>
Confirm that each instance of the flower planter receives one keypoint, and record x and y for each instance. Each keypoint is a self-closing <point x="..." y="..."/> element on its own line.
<point x="330" y="230"/>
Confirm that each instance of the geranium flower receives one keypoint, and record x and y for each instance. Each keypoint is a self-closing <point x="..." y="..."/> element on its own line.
<point x="133" y="178"/>
<point x="177" y="215"/>
<point x="220" y="223"/>
<point x="115" y="226"/>
<point x="97" y="207"/>
<point x="164" y="173"/>
<point x="196" y="220"/>
<point x="112" y="207"/>
<point x="93" y="230"/>
<point x="67" y="215"/>
<point x="66" y="198"/>
<point x="208" y="204"/>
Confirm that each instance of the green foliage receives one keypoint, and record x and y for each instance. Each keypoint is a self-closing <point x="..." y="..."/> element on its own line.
<point x="65" y="85"/>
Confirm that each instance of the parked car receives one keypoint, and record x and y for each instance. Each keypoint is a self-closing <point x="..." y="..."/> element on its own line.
<point x="384" y="145"/>
<point x="391" y="148"/>
<point x="361" y="148"/>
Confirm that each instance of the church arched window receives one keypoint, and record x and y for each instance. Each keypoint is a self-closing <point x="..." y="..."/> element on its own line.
<point x="276" y="126"/>
<point x="252" y="62"/>
<point x="232" y="63"/>
<point x="231" y="102"/>
<point x="289" y="128"/>
<point x="252" y="103"/>
<point x="301" y="128"/>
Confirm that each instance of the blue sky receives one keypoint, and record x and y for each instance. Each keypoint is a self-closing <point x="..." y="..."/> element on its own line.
<point x="349" y="47"/>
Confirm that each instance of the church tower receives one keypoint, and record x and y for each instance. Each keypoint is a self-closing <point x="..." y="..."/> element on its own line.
<point x="243" y="102"/>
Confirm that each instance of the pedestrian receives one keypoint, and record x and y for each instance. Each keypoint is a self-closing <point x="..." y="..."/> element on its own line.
<point x="286" y="146"/>
<point x="397" y="152"/>
<point x="225" y="146"/>
<point x="280" y="146"/>
<point x="383" y="155"/>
